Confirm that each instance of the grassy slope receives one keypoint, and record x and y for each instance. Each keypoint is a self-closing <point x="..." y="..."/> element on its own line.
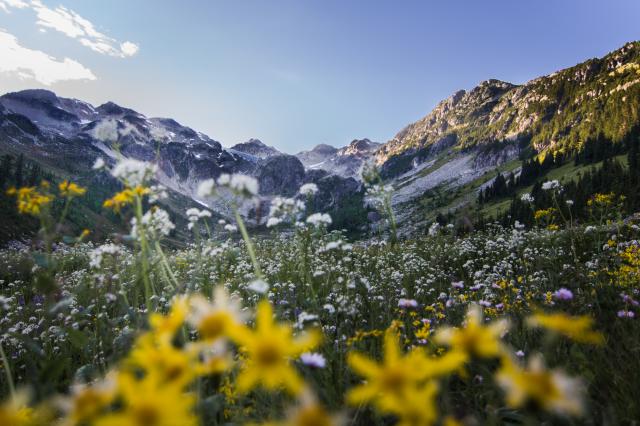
<point x="443" y="199"/>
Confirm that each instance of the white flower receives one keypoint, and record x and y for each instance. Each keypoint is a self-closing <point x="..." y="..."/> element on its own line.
<point x="527" y="198"/>
<point x="98" y="253"/>
<point x="98" y="164"/>
<point x="158" y="192"/>
<point x="155" y="220"/>
<point x="133" y="172"/>
<point x="569" y="203"/>
<point x="205" y="188"/>
<point x="308" y="189"/>
<point x="231" y="228"/>
<point x="193" y="214"/>
<point x="313" y="359"/>
<point x="434" y="229"/>
<point x="259" y="286"/>
<point x="239" y="183"/>
<point x="284" y="209"/>
<point x="273" y="221"/>
<point x="318" y="219"/>
<point x="550" y="185"/>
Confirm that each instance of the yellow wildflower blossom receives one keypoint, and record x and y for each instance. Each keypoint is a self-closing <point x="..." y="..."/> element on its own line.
<point x="388" y="383"/>
<point x="16" y="412"/>
<point x="124" y="197"/>
<point x="30" y="199"/>
<point x="475" y="338"/>
<point x="70" y="189"/>
<point x="215" y="320"/>
<point x="576" y="328"/>
<point x="269" y="351"/>
<point x="147" y="402"/>
<point x="550" y="390"/>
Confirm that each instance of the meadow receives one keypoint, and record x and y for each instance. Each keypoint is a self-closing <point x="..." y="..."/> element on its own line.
<point x="304" y="327"/>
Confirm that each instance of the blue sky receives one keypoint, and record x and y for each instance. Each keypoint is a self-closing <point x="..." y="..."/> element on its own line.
<point x="296" y="73"/>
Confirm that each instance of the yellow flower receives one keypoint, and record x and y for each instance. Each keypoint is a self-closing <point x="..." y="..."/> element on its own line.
<point x="388" y="383"/>
<point x="216" y="320"/>
<point x="70" y="189"/>
<point x="550" y="390"/>
<point x="310" y="413"/>
<point x="166" y="326"/>
<point x="268" y="352"/>
<point x="16" y="412"/>
<point x="119" y="200"/>
<point x="30" y="200"/>
<point x="475" y="339"/>
<point x="86" y="402"/>
<point x="576" y="328"/>
<point x="147" y="402"/>
<point x="124" y="197"/>
<point x="167" y="364"/>
<point x="419" y="406"/>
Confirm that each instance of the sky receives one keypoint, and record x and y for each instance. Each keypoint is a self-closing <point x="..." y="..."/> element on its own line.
<point x="294" y="73"/>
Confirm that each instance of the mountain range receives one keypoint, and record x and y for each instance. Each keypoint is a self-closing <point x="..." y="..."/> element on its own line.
<point x="456" y="149"/>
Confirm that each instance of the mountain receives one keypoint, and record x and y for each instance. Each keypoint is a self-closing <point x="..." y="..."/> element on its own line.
<point x="256" y="148"/>
<point x="346" y="162"/>
<point x="442" y="160"/>
<point x="436" y="166"/>
<point x="558" y="111"/>
<point x="65" y="136"/>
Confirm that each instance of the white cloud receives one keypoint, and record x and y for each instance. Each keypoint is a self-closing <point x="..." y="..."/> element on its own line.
<point x="69" y="23"/>
<point x="35" y="64"/>
<point x="18" y="4"/>
<point x="129" y="49"/>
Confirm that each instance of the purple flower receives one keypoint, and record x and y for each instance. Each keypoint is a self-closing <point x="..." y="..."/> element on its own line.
<point x="457" y="284"/>
<point x="500" y="306"/>
<point x="313" y="359"/>
<point x="407" y="303"/>
<point x="484" y="303"/>
<point x="563" y="294"/>
<point x="626" y="314"/>
<point x="520" y="354"/>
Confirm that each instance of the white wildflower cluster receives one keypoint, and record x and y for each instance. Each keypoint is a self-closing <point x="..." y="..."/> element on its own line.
<point x="155" y="221"/>
<point x="194" y="214"/>
<point x="434" y="229"/>
<point x="378" y="194"/>
<point x="158" y="193"/>
<point x="308" y="189"/>
<point x="134" y="172"/>
<point x="284" y="210"/>
<point x="238" y="184"/>
<point x="319" y="219"/>
<point x="96" y="255"/>
<point x="551" y="185"/>
<point x="527" y="198"/>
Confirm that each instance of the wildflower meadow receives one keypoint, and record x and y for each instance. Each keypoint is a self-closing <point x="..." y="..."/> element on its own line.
<point x="299" y="325"/>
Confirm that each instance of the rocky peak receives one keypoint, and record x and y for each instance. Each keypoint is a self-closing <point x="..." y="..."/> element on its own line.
<point x="256" y="148"/>
<point x="359" y="147"/>
<point x="114" y="110"/>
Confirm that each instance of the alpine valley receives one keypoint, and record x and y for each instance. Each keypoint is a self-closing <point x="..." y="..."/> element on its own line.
<point x="468" y="161"/>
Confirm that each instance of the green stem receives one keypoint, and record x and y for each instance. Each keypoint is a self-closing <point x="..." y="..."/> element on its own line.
<point x="248" y="243"/>
<point x="7" y="372"/>
<point x="144" y="251"/>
